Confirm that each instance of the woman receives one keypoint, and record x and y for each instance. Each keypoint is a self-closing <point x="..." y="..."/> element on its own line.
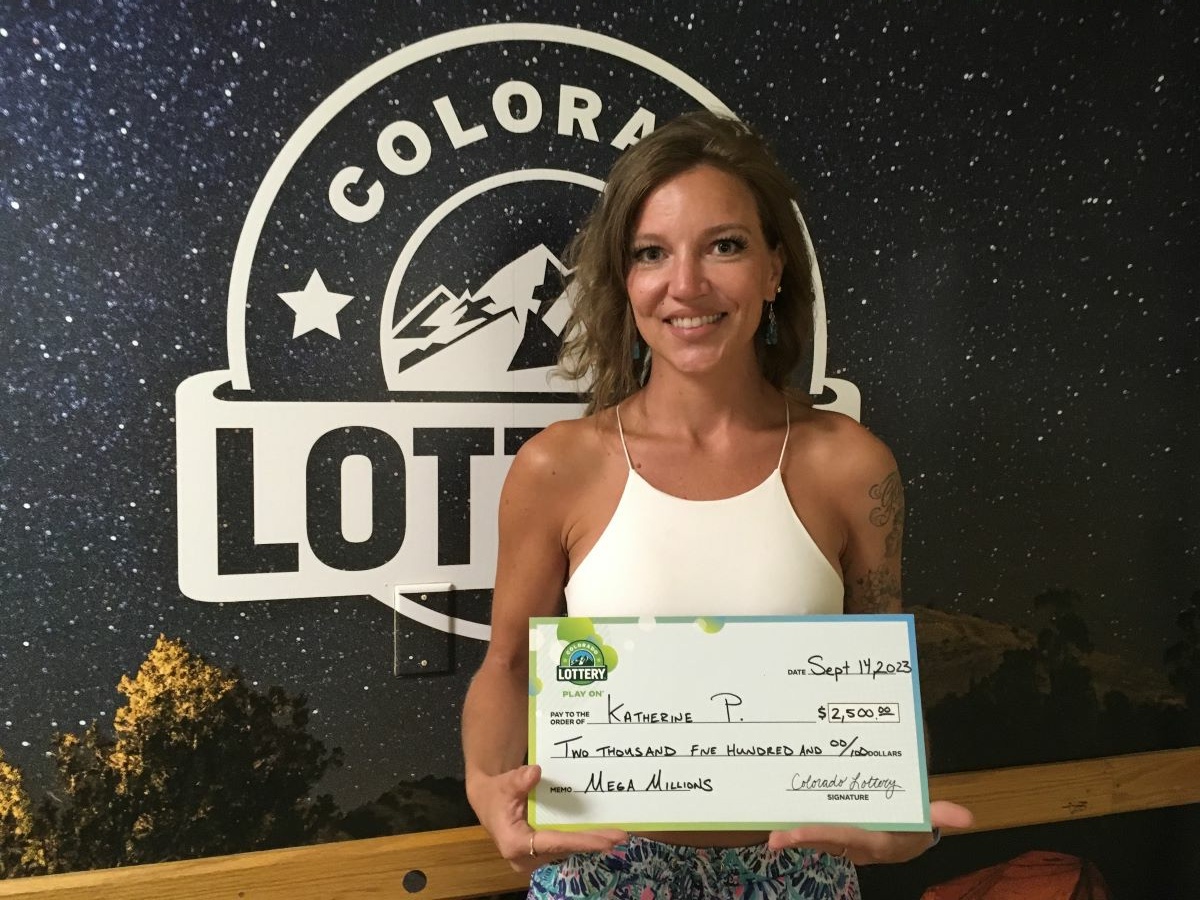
<point x="707" y="490"/>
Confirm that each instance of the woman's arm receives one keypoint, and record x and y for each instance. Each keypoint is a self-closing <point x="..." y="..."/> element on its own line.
<point x="530" y="572"/>
<point x="871" y="500"/>
<point x="869" y="497"/>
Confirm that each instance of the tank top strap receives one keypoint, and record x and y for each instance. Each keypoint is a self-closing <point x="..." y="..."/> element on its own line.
<point x="787" y="412"/>
<point x="621" y="432"/>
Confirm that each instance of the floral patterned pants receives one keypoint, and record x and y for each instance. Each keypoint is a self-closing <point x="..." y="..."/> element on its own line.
<point x="642" y="869"/>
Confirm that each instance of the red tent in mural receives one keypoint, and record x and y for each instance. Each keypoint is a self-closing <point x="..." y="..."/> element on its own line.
<point x="1037" y="875"/>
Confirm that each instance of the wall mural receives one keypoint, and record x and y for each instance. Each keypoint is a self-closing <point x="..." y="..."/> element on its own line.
<point x="286" y="294"/>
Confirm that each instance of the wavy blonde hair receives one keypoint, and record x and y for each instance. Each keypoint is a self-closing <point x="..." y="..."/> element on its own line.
<point x="601" y="328"/>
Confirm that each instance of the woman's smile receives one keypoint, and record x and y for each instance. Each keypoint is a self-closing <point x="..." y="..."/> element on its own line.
<point x="690" y="323"/>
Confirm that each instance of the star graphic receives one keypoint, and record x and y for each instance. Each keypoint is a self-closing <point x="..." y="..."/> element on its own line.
<point x="316" y="307"/>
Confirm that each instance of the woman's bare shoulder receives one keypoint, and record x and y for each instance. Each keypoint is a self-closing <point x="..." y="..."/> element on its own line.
<point x="564" y="453"/>
<point x="840" y="447"/>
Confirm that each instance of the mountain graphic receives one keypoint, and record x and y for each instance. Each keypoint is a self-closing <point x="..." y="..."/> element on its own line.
<point x="522" y="306"/>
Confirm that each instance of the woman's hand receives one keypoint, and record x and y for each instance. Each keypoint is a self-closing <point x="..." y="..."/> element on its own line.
<point x="505" y="799"/>
<point x="866" y="847"/>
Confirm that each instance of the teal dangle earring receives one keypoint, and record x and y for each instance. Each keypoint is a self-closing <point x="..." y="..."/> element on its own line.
<point x="772" y="325"/>
<point x="645" y="358"/>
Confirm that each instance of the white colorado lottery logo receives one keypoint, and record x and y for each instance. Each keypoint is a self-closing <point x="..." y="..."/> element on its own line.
<point x="394" y="315"/>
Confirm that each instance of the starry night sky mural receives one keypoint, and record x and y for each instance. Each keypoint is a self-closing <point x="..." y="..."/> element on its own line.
<point x="1003" y="199"/>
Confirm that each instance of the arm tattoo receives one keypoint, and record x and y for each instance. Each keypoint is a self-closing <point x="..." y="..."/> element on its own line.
<point x="878" y="590"/>
<point x="890" y="511"/>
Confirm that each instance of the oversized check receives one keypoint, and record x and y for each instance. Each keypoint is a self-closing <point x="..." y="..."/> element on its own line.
<point x="726" y="723"/>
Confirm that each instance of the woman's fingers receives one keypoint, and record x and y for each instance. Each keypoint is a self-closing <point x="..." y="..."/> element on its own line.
<point x="561" y="844"/>
<point x="837" y="840"/>
<point x="538" y="848"/>
<point x="945" y="814"/>
<point x="861" y="846"/>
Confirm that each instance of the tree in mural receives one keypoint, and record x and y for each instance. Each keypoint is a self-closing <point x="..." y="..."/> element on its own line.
<point x="200" y="764"/>
<point x="1039" y="704"/>
<point x="423" y="805"/>
<point x="1171" y="724"/>
<point x="1183" y="659"/>
<point x="1070" y="705"/>
<point x="21" y="849"/>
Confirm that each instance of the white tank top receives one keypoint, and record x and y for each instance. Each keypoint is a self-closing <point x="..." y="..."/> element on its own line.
<point x="661" y="555"/>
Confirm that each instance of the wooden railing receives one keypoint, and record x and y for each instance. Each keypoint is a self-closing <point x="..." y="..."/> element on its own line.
<point x="461" y="862"/>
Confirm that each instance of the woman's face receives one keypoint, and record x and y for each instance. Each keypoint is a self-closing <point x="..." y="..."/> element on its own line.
<point x="700" y="271"/>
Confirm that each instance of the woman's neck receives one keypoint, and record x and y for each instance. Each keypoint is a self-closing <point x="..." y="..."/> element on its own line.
<point x="702" y="404"/>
